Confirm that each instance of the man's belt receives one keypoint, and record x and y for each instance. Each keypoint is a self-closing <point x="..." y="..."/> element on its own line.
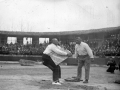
<point x="82" y="56"/>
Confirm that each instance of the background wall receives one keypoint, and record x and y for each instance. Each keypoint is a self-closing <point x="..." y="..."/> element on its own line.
<point x="69" y="61"/>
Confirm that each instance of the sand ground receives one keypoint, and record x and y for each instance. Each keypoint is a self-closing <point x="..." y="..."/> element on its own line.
<point x="39" y="77"/>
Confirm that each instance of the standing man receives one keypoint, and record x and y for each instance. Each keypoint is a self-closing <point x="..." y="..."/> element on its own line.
<point x="84" y="55"/>
<point x="47" y="61"/>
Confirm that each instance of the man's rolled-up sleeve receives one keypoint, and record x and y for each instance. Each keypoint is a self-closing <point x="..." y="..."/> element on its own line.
<point x="89" y="51"/>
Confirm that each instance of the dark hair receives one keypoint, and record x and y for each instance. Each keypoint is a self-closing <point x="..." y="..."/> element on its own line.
<point x="79" y="38"/>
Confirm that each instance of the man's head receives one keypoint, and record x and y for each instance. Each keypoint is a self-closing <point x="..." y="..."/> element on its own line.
<point x="55" y="41"/>
<point x="78" y="40"/>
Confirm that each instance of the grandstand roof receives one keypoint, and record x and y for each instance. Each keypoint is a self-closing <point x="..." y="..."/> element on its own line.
<point x="59" y="33"/>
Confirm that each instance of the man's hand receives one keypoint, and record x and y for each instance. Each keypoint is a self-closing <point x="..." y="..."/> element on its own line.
<point x="74" y="56"/>
<point x="69" y="54"/>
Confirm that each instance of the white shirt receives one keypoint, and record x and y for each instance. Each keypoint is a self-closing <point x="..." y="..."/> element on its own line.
<point x="53" y="48"/>
<point x="83" y="49"/>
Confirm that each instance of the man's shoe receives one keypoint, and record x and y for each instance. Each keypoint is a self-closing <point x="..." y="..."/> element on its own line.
<point x="112" y="72"/>
<point x="56" y="83"/>
<point x="86" y="81"/>
<point x="61" y="81"/>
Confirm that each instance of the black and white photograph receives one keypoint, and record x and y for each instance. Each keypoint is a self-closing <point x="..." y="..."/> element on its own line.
<point x="59" y="44"/>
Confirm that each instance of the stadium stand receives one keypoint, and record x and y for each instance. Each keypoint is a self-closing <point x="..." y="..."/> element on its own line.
<point x="102" y="45"/>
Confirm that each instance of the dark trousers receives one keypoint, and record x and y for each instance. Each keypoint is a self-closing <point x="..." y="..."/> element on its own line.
<point x="47" y="61"/>
<point x="83" y="61"/>
<point x="111" y="69"/>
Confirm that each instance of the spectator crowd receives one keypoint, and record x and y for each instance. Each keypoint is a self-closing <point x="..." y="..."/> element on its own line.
<point x="109" y="47"/>
<point x="17" y="49"/>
